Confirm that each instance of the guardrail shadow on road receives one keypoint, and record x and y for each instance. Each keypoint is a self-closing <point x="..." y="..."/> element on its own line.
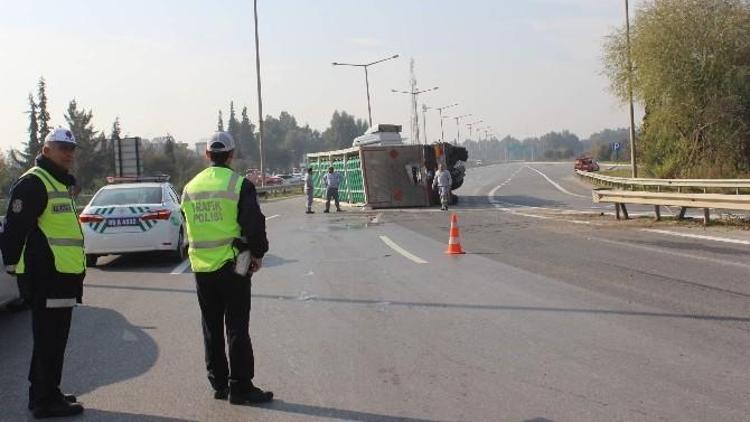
<point x="508" y="201"/>
<point x="385" y="302"/>
<point x="103" y="349"/>
<point x="341" y="414"/>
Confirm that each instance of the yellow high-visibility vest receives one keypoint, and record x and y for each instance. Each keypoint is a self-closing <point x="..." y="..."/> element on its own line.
<point x="210" y="204"/>
<point x="59" y="223"/>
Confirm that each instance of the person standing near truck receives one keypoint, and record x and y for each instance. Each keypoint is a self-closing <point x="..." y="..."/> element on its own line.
<point x="332" y="180"/>
<point x="443" y="182"/>
<point x="308" y="182"/>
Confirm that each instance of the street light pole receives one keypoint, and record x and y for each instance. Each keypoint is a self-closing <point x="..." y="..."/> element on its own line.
<point x="415" y="111"/>
<point x="424" y="122"/>
<point x="633" y="161"/>
<point x="458" y="126"/>
<point x="440" y="110"/>
<point x="367" y="79"/>
<point x="260" y="97"/>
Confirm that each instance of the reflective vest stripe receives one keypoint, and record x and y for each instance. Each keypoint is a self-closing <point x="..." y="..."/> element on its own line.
<point x="61" y="303"/>
<point x="212" y="195"/>
<point x="54" y="241"/>
<point x="58" y="195"/>
<point x="208" y="244"/>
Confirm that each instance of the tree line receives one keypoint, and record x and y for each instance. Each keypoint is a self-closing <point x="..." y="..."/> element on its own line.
<point x="553" y="146"/>
<point x="689" y="67"/>
<point x="285" y="144"/>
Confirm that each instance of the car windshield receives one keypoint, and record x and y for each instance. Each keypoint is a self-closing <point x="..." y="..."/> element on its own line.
<point x="126" y="196"/>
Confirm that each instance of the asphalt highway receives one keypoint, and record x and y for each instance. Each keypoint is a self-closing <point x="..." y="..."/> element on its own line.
<point x="556" y="313"/>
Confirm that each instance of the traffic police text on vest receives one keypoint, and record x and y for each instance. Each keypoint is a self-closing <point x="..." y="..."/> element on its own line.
<point x="210" y="206"/>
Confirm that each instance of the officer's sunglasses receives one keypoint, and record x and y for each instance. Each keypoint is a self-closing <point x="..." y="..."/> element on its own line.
<point x="65" y="146"/>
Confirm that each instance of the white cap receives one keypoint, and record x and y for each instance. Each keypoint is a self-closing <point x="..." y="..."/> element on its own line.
<point x="220" y="142"/>
<point x="61" y="135"/>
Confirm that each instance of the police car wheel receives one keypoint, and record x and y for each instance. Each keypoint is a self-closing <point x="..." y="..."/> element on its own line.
<point x="91" y="260"/>
<point x="180" y="253"/>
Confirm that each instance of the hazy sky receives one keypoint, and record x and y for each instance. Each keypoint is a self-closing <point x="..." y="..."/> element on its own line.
<point x="525" y="67"/>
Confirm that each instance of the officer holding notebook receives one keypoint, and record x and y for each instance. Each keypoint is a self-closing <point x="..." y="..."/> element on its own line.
<point x="227" y="235"/>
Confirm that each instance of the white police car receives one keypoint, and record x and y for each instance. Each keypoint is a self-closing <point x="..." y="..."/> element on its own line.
<point x="133" y="215"/>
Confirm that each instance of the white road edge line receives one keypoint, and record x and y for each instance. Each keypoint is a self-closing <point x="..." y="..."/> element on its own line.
<point x="186" y="263"/>
<point x="556" y="185"/>
<point x="699" y="236"/>
<point x="402" y="251"/>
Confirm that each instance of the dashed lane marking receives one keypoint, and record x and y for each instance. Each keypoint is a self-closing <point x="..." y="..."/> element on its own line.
<point x="406" y="254"/>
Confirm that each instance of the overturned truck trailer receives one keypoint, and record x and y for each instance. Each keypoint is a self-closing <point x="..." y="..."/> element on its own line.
<point x="388" y="176"/>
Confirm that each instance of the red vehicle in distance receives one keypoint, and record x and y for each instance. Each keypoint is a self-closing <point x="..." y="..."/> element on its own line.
<point x="586" y="164"/>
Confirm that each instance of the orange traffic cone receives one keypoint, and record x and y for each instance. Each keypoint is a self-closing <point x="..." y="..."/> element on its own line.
<point x="454" y="241"/>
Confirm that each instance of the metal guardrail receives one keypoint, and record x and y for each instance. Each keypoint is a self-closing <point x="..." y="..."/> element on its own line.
<point x="268" y="191"/>
<point x="692" y="184"/>
<point x="638" y="193"/>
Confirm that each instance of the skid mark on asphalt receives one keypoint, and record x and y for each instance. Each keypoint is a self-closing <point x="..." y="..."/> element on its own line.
<point x="186" y="263"/>
<point x="406" y="254"/>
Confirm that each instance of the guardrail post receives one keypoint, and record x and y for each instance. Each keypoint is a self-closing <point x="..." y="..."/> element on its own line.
<point x="625" y="212"/>
<point x="657" y="209"/>
<point x="706" y="216"/>
<point x="681" y="215"/>
<point x="617" y="210"/>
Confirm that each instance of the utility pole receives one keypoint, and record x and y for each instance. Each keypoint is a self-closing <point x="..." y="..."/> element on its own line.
<point x="424" y="123"/>
<point x="367" y="79"/>
<point x="633" y="160"/>
<point x="440" y="110"/>
<point x="458" y="127"/>
<point x="260" y="97"/>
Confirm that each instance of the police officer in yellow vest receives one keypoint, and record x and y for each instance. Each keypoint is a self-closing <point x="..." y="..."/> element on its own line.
<point x="43" y="246"/>
<point x="227" y="234"/>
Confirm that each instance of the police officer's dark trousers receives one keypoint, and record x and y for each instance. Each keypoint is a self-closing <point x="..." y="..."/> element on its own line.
<point x="224" y="297"/>
<point x="50" y="329"/>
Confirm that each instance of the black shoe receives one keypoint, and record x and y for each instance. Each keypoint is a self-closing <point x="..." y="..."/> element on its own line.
<point x="339" y="210"/>
<point x="57" y="408"/>
<point x="221" y="394"/>
<point x="325" y="211"/>
<point x="68" y="397"/>
<point x="309" y="212"/>
<point x="253" y="395"/>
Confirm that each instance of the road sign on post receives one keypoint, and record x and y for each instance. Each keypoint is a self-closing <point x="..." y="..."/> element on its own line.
<point x="128" y="161"/>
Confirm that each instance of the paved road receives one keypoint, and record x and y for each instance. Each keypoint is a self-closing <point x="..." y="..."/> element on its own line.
<point x="360" y="316"/>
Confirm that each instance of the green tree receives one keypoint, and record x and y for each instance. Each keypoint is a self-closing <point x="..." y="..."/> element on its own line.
<point x="91" y="157"/>
<point x="32" y="148"/>
<point x="691" y="72"/>
<point x="248" y="146"/>
<point x="43" y="116"/>
<point x="342" y="131"/>
<point x="220" y="123"/>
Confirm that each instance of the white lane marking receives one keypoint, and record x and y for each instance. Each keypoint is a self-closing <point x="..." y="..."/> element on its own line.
<point x="181" y="268"/>
<point x="408" y="255"/>
<point x="186" y="263"/>
<point x="556" y="185"/>
<point x="678" y="254"/>
<point x="699" y="236"/>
